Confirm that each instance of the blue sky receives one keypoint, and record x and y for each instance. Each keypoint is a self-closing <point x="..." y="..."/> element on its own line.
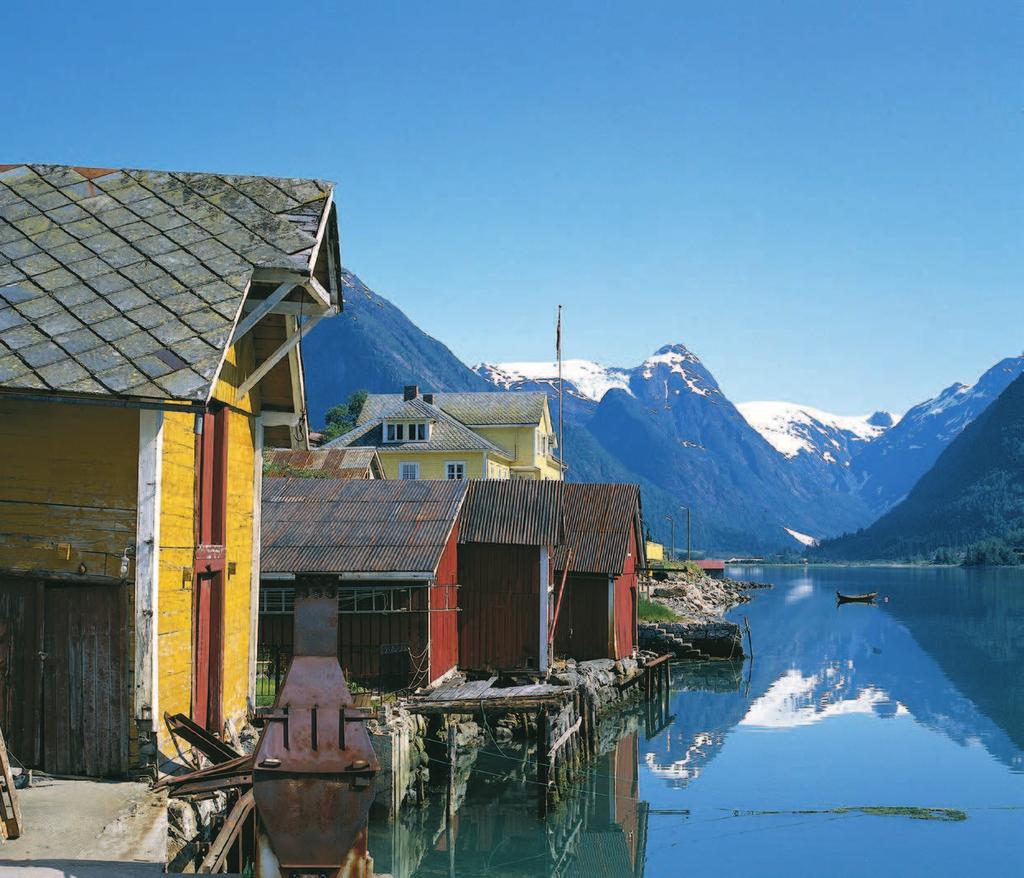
<point x="822" y="200"/>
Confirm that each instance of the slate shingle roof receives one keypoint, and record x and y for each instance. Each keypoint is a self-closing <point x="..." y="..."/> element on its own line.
<point x="446" y="433"/>
<point x="128" y="282"/>
<point x="473" y="409"/>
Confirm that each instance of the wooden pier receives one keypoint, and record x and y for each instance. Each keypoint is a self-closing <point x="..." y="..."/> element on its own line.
<point x="566" y="720"/>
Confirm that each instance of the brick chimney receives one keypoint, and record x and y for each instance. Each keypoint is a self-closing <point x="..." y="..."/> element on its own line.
<point x="411" y="392"/>
<point x="428" y="398"/>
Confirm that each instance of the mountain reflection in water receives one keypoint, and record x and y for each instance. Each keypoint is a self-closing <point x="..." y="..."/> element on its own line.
<point x="755" y="766"/>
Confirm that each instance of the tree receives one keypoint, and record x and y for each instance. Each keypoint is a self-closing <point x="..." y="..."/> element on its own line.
<point x="342" y="417"/>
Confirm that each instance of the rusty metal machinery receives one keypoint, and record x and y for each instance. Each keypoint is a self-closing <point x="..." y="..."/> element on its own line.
<point x="310" y="782"/>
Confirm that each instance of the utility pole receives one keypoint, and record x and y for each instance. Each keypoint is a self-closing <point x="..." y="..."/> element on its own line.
<point x="687" y="508"/>
<point x="672" y="521"/>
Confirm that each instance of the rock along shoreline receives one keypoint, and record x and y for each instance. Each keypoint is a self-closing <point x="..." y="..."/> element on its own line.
<point x="699" y="603"/>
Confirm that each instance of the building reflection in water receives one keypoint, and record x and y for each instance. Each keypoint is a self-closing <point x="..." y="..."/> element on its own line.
<point x="599" y="829"/>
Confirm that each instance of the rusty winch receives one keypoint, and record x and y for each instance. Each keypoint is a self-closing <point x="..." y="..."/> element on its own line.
<point x="308" y="788"/>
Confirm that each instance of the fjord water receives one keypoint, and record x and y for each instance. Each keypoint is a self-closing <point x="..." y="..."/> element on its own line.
<point x="917" y="702"/>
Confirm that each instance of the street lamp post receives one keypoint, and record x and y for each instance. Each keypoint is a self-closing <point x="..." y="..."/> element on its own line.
<point x="672" y="520"/>
<point x="687" y="508"/>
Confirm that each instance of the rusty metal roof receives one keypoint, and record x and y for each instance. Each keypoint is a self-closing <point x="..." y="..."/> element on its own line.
<point x="128" y="283"/>
<point x="516" y="512"/>
<point x="329" y="463"/>
<point x="357" y="525"/>
<point x="597" y="527"/>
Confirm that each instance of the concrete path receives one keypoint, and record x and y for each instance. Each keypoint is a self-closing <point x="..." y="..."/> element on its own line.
<point x="88" y="829"/>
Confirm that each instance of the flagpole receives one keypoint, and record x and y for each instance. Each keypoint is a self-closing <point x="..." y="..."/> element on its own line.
<point x="561" y="434"/>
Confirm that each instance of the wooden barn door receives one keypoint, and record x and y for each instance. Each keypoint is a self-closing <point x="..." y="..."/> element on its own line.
<point x="21" y="644"/>
<point x="85" y="709"/>
<point x="588" y="621"/>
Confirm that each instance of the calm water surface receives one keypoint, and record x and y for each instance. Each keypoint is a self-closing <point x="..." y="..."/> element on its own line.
<point x="917" y="702"/>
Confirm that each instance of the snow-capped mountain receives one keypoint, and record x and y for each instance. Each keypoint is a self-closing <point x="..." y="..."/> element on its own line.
<point x="890" y="466"/>
<point x="669" y="422"/>
<point x="583" y="378"/>
<point x="793" y="429"/>
<point x="796" y="476"/>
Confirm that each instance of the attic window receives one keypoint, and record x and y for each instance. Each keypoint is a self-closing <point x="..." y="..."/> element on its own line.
<point x="414" y="431"/>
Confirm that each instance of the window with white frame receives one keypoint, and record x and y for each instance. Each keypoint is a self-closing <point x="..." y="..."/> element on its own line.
<point x="455" y="469"/>
<point x="408" y="470"/>
<point x="401" y="431"/>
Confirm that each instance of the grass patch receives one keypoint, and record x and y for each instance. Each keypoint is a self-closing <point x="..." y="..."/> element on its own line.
<point x="651" y="611"/>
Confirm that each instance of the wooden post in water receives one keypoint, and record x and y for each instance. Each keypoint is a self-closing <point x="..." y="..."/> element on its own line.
<point x="452" y="748"/>
<point x="543" y="761"/>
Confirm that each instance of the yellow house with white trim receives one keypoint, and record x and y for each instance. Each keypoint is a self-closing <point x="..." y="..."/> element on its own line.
<point x="149" y="347"/>
<point x="488" y="435"/>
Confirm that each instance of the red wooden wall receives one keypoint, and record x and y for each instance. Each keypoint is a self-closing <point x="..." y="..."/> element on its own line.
<point x="499" y="601"/>
<point x="444" y="618"/>
<point x="625" y="601"/>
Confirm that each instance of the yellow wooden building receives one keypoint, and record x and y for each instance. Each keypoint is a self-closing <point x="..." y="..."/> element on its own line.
<point x="488" y="435"/>
<point x="149" y="348"/>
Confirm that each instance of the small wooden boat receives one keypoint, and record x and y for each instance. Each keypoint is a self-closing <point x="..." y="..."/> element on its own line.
<point x="866" y="598"/>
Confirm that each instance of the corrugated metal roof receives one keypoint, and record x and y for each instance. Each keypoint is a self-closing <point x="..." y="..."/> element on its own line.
<point x="597" y="525"/>
<point x="334" y="463"/>
<point x="473" y="409"/>
<point x="446" y="433"/>
<point x="128" y="282"/>
<point x="357" y="526"/>
<point x="516" y="512"/>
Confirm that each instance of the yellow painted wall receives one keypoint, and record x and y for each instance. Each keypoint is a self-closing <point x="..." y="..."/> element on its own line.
<point x="432" y="463"/>
<point x="240" y="518"/>
<point x="521" y="443"/>
<point x="177" y="541"/>
<point x="177" y="555"/>
<point x="68" y="486"/>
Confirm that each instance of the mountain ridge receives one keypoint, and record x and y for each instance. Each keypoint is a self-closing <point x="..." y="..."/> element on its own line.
<point x="974" y="491"/>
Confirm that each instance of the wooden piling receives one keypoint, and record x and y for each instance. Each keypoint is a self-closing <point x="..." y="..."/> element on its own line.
<point x="543" y="761"/>
<point x="452" y="757"/>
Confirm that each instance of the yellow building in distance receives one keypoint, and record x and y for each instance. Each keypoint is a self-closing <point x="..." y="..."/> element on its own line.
<point x="148" y="351"/>
<point x="486" y="435"/>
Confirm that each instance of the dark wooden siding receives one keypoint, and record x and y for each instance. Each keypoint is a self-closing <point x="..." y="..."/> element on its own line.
<point x="363" y="636"/>
<point x="444" y="616"/>
<point x="584" y="630"/>
<point x="85" y="708"/>
<point x="499" y="603"/>
<point x="21" y="640"/>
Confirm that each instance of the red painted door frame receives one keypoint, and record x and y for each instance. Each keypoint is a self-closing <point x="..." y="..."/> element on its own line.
<point x="208" y="584"/>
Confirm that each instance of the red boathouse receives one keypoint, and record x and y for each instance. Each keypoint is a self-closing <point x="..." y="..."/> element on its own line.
<point x="508" y="533"/>
<point x="602" y="550"/>
<point x="392" y="546"/>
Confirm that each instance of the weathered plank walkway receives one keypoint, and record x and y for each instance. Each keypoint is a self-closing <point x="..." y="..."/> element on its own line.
<point x="477" y="696"/>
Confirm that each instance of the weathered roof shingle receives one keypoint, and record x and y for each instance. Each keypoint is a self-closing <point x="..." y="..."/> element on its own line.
<point x="99" y="268"/>
<point x="498" y="407"/>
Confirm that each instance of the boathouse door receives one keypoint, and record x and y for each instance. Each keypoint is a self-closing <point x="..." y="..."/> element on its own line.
<point x="84" y="716"/>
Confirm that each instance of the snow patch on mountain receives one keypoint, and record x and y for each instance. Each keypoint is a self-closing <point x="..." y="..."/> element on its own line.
<point x="803" y="539"/>
<point x="791" y="428"/>
<point x="591" y="379"/>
